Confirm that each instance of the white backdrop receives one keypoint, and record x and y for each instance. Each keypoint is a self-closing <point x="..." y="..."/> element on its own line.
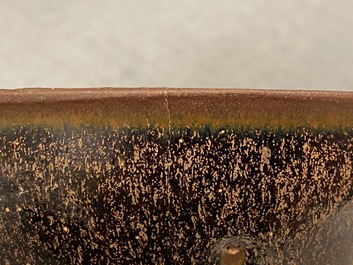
<point x="303" y="44"/>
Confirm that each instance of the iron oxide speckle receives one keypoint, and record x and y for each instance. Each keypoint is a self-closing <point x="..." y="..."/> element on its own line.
<point x="95" y="195"/>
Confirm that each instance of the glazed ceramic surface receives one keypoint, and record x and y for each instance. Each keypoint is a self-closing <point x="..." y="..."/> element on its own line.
<point x="172" y="176"/>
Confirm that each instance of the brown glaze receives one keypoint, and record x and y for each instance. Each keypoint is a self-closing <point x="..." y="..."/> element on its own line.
<point x="175" y="176"/>
<point x="233" y="255"/>
<point x="165" y="106"/>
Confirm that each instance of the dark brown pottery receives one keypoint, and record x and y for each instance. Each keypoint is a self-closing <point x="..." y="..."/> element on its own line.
<point x="175" y="176"/>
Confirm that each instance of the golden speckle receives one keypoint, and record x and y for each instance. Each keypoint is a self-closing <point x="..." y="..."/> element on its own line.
<point x="91" y="187"/>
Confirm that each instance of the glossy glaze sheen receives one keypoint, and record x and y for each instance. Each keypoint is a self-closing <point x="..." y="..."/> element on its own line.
<point x="166" y="176"/>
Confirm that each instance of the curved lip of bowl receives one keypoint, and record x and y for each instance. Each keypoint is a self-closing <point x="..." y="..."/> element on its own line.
<point x="255" y="108"/>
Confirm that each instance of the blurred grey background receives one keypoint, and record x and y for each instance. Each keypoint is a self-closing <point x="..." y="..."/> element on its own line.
<point x="303" y="44"/>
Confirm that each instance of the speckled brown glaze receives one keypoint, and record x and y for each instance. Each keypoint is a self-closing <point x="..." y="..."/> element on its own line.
<point x="168" y="176"/>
